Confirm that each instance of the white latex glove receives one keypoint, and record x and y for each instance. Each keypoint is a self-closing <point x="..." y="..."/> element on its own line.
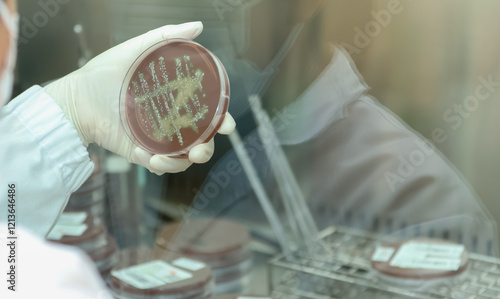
<point x="89" y="98"/>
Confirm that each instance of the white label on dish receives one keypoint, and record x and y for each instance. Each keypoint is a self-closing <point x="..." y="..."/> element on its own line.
<point x="383" y="254"/>
<point x="189" y="264"/>
<point x="54" y="235"/>
<point x="59" y="231"/>
<point x="151" y="275"/>
<point x="72" y="218"/>
<point x="418" y="255"/>
<point x="442" y="250"/>
<point x="427" y="263"/>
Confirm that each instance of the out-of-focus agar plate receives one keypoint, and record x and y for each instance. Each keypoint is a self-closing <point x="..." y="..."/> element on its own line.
<point x="424" y="272"/>
<point x="174" y="97"/>
<point x="217" y="242"/>
<point x="178" y="282"/>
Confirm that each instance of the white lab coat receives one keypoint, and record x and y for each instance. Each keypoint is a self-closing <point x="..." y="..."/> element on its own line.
<point x="45" y="270"/>
<point x="357" y="165"/>
<point x="43" y="156"/>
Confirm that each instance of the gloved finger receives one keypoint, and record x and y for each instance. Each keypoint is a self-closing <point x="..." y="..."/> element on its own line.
<point x="186" y="31"/>
<point x="202" y="153"/>
<point x="142" y="157"/>
<point x="228" y="125"/>
<point x="162" y="164"/>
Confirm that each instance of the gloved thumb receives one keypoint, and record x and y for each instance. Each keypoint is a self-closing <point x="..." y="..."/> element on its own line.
<point x="187" y="31"/>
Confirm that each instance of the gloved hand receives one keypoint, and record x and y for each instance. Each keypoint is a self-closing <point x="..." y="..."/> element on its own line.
<point x="89" y="98"/>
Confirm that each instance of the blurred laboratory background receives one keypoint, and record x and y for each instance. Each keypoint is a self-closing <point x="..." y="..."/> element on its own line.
<point x="430" y="67"/>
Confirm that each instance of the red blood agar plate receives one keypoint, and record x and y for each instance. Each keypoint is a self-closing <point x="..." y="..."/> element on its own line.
<point x="174" y="281"/>
<point x="221" y="244"/>
<point x="174" y="97"/>
<point x="217" y="242"/>
<point x="389" y="269"/>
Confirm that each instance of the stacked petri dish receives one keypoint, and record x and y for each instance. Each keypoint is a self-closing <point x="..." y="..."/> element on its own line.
<point x="91" y="197"/>
<point x="82" y="225"/>
<point x="105" y="257"/>
<point x="155" y="274"/>
<point x="88" y="233"/>
<point x="174" y="97"/>
<point x="222" y="244"/>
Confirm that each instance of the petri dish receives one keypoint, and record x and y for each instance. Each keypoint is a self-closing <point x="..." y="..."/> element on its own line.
<point x="419" y="260"/>
<point x="222" y="244"/>
<point x="239" y="284"/>
<point x="219" y="243"/>
<point x="174" y="97"/>
<point x="96" y="180"/>
<point x="84" y="199"/>
<point x="241" y="297"/>
<point x="105" y="256"/>
<point x="92" y="202"/>
<point x="146" y="273"/>
<point x="88" y="235"/>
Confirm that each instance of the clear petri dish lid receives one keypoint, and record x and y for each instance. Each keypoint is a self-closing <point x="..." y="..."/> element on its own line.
<point x="174" y="97"/>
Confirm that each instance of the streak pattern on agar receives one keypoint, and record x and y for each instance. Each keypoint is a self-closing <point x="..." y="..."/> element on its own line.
<point x="171" y="105"/>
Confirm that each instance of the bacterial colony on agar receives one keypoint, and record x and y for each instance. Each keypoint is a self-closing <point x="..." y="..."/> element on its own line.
<point x="174" y="97"/>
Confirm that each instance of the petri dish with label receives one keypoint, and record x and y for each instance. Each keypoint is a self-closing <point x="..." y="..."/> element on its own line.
<point x="175" y="96"/>
<point x="222" y="244"/>
<point x="152" y="274"/>
<point x="416" y="261"/>
<point x="79" y="229"/>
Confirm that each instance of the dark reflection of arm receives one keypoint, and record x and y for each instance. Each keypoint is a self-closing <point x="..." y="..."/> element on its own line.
<point x="352" y="167"/>
<point x="345" y="152"/>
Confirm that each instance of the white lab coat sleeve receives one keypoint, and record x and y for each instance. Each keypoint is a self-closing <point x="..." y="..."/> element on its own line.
<point x="43" y="156"/>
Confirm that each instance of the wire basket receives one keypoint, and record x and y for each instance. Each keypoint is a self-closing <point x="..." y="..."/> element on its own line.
<point x="347" y="273"/>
